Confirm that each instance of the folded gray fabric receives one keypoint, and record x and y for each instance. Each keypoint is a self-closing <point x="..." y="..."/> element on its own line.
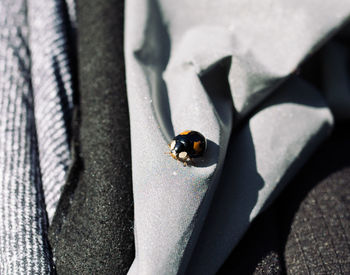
<point x="35" y="100"/>
<point x="24" y="247"/>
<point x="51" y="79"/>
<point x="264" y="156"/>
<point x="191" y="65"/>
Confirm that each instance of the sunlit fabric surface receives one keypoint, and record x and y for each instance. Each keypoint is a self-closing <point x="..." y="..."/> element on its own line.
<point x="51" y="78"/>
<point x="35" y="105"/>
<point x="208" y="66"/>
<point x="226" y="68"/>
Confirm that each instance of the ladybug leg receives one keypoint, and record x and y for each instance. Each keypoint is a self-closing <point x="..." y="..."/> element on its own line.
<point x="188" y="162"/>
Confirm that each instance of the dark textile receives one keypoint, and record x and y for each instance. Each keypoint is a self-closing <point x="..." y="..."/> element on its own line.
<point x="307" y="229"/>
<point x="92" y="229"/>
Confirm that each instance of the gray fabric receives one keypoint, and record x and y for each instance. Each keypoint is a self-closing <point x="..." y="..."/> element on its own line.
<point x="264" y="156"/>
<point x="53" y="93"/>
<point x="24" y="247"/>
<point x="185" y="60"/>
<point x="34" y="155"/>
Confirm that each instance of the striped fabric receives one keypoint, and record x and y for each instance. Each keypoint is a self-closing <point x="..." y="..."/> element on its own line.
<point x="52" y="86"/>
<point x="35" y="108"/>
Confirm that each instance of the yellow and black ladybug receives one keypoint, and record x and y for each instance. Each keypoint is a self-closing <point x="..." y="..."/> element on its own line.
<point x="187" y="145"/>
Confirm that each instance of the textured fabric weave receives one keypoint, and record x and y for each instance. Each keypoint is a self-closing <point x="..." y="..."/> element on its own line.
<point x="91" y="232"/>
<point x="35" y="105"/>
<point x="53" y="95"/>
<point x="23" y="222"/>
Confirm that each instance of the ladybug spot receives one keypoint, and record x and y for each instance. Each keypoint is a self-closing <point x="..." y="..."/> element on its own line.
<point x="197" y="146"/>
<point x="185" y="133"/>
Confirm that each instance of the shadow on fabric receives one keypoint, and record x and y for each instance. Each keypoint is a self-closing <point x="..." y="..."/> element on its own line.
<point x="240" y="166"/>
<point x="263" y="247"/>
<point x="154" y="55"/>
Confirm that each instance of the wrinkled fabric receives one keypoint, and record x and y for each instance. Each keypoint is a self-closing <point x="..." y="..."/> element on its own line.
<point x="221" y="68"/>
<point x="35" y="105"/>
<point x="263" y="157"/>
<point x="307" y="228"/>
<point x="206" y="67"/>
<point x="52" y="83"/>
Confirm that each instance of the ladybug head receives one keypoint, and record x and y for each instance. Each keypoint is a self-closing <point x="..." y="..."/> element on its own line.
<point x="176" y="147"/>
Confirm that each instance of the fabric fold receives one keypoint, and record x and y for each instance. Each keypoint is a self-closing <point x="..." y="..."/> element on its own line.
<point x="23" y="222"/>
<point x="51" y="51"/>
<point x="261" y="159"/>
<point x="208" y="67"/>
<point x="36" y="105"/>
<point x="170" y="200"/>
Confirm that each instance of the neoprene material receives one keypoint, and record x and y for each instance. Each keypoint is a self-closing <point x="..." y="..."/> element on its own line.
<point x="208" y="66"/>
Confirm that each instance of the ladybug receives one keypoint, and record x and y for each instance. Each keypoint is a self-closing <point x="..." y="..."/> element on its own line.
<point x="187" y="145"/>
